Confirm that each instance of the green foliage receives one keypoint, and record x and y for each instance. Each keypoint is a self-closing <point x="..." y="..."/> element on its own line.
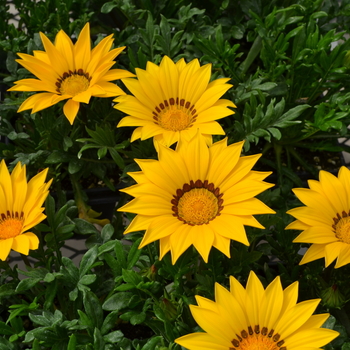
<point x="288" y="62"/>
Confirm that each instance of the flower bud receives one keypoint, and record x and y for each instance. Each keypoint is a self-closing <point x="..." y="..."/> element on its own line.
<point x="332" y="297"/>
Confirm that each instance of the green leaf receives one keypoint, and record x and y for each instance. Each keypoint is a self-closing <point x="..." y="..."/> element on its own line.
<point x="108" y="6"/>
<point x="50" y="210"/>
<point x="109" y="322"/>
<point x="7" y="289"/>
<point x="5" y="329"/>
<point x="113" y="337"/>
<point x="84" y="319"/>
<point x="85" y="228"/>
<point x="87" y="279"/>
<point x="93" y="309"/>
<point x="152" y="343"/>
<point x="101" y="153"/>
<point x="117" y="301"/>
<point x="87" y="261"/>
<point x="138" y="319"/>
<point x="106" y="247"/>
<point x="50" y="294"/>
<point x="99" y="343"/>
<point x="57" y="157"/>
<point x="107" y="232"/>
<point x="72" y="344"/>
<point x="120" y="254"/>
<point x="116" y="157"/>
<point x="6" y="345"/>
<point x="71" y="269"/>
<point x="27" y="284"/>
<point x="290" y="115"/>
<point x="62" y="230"/>
<point x="134" y="254"/>
<point x="11" y="64"/>
<point x="131" y="277"/>
<point x="74" y="166"/>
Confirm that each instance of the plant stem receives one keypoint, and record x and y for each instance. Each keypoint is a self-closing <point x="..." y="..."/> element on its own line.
<point x="25" y="260"/>
<point x="278" y="153"/>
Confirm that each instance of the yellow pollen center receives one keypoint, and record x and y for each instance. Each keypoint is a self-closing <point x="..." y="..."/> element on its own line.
<point x="174" y="120"/>
<point x="198" y="206"/>
<point x="175" y="114"/>
<point x="342" y="230"/>
<point x="256" y="340"/>
<point x="74" y="85"/>
<point x="10" y="227"/>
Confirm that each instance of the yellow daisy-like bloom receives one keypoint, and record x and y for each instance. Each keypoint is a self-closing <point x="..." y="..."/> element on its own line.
<point x="73" y="72"/>
<point x="173" y="99"/>
<point x="196" y="195"/>
<point x="20" y="208"/>
<point x="325" y="220"/>
<point x="255" y="318"/>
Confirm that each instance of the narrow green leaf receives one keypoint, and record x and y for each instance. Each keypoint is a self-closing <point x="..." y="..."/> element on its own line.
<point x="120" y="254"/>
<point x="117" y="301"/>
<point x="108" y="6"/>
<point x="72" y="344"/>
<point x="93" y="309"/>
<point x="27" y="284"/>
<point x="134" y="254"/>
<point x="109" y="322"/>
<point x="99" y="343"/>
<point x="87" y="261"/>
<point x="113" y="337"/>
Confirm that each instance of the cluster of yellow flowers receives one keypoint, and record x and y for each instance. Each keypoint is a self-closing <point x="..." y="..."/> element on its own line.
<point x="198" y="193"/>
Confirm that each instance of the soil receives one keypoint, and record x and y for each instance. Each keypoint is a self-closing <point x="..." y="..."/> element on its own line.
<point x="136" y="332"/>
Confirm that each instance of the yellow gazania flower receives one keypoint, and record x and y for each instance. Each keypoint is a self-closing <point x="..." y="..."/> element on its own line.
<point x="73" y="72"/>
<point x="173" y="99"/>
<point x="196" y="195"/>
<point x="325" y="220"/>
<point x="20" y="208"/>
<point x="257" y="318"/>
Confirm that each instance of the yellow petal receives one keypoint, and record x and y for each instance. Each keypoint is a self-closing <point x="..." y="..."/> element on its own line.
<point x="231" y="309"/>
<point x="255" y="295"/>
<point x="272" y="303"/>
<point x="332" y="251"/>
<point x="21" y="244"/>
<point x="211" y="322"/>
<point x="82" y="49"/>
<point x="139" y="223"/>
<point x="344" y="256"/>
<point x="33" y="240"/>
<point x="180" y="240"/>
<point x="313" y="337"/>
<point x="204" y="238"/>
<point x="199" y="341"/>
<point x="5" y="248"/>
<point x="316" y="234"/>
<point x="65" y="46"/>
<point x="295" y="317"/>
<point x="70" y="110"/>
<point x="316" y="251"/>
<point x="160" y="227"/>
<point x="230" y="226"/>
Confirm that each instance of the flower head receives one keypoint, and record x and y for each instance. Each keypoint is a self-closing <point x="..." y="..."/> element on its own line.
<point x="73" y="72"/>
<point x="196" y="195"/>
<point x="173" y="99"/>
<point x="325" y="220"/>
<point x="257" y="318"/>
<point x="20" y="208"/>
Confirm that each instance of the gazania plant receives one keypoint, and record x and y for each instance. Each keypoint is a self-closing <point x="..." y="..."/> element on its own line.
<point x="174" y="175"/>
<point x="67" y="71"/>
